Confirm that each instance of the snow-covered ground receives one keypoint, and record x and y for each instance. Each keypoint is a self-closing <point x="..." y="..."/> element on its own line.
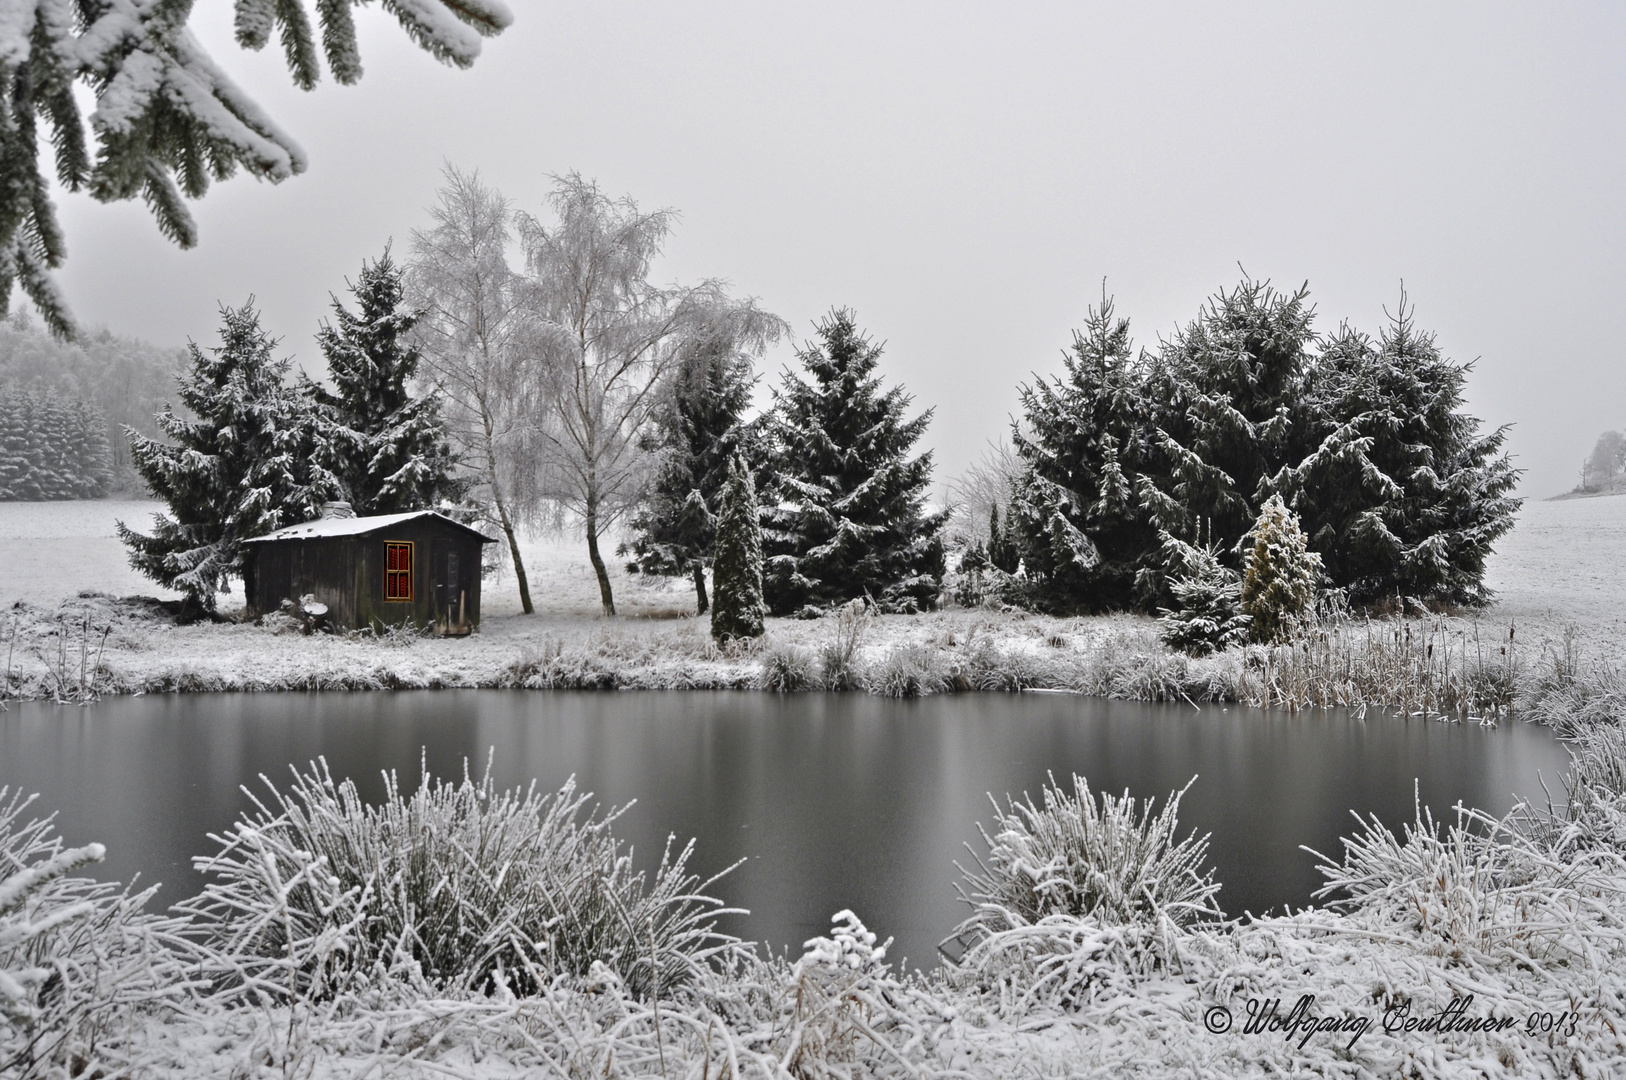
<point x="1558" y="576"/>
<point x="1565" y="559"/>
<point x="54" y="550"/>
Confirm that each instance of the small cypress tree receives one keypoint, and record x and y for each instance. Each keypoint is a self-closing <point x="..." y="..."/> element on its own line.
<point x="737" y="608"/>
<point x="386" y="446"/>
<point x="1280" y="584"/>
<point x="240" y="470"/>
<point x="1003" y="553"/>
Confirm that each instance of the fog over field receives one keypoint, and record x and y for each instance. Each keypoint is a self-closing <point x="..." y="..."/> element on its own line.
<point x="967" y="176"/>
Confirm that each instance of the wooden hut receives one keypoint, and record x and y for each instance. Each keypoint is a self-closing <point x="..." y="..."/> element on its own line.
<point x="420" y="569"/>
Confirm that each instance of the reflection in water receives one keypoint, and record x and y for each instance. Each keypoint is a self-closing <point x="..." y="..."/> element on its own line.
<point x="834" y="801"/>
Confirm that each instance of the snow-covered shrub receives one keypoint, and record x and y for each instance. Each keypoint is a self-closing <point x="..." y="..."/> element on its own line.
<point x="787" y="668"/>
<point x="1279" y="587"/>
<point x="1485" y="891"/>
<point x="457" y="887"/>
<point x="1135" y="669"/>
<point x="553" y="667"/>
<point x="910" y="670"/>
<point x="1207" y="614"/>
<point x="839" y="658"/>
<point x="1573" y="697"/>
<point x="1109" y="861"/>
<point x="75" y="956"/>
<point x="981" y="664"/>
<point x="836" y="1001"/>
<point x="1594" y="817"/>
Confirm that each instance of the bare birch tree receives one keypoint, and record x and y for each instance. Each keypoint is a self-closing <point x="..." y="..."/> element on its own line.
<point x="606" y="339"/>
<point x="474" y="337"/>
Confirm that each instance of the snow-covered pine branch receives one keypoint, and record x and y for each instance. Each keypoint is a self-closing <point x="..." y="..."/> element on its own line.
<point x="168" y="120"/>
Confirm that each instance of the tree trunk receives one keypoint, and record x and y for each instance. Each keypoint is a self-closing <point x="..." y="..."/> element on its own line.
<point x="502" y="512"/>
<point x="700" y="589"/>
<point x="519" y="563"/>
<point x="597" y="559"/>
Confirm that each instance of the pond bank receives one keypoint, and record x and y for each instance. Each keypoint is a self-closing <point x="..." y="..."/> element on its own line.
<point x="1458" y="667"/>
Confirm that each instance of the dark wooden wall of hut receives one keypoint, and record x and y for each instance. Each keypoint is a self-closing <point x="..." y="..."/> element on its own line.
<point x="347" y="574"/>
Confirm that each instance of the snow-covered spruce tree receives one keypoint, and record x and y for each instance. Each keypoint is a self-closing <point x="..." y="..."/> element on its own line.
<point x="737" y="609"/>
<point x="847" y="518"/>
<point x="1398" y="490"/>
<point x="1279" y="586"/>
<point x="1075" y="512"/>
<point x="92" y="455"/>
<point x="167" y="119"/>
<point x="241" y="469"/>
<point x="386" y="447"/>
<point x="1207" y="613"/>
<point x="1229" y="412"/>
<point x="698" y="430"/>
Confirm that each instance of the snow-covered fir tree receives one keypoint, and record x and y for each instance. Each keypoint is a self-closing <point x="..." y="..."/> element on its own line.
<point x="167" y="119"/>
<point x="1279" y="586"/>
<point x="848" y="516"/>
<point x="1399" y="490"/>
<point x="1004" y="554"/>
<point x="241" y="469"/>
<point x="699" y="430"/>
<point x="1076" y="513"/>
<point x="1229" y="405"/>
<point x="738" y="608"/>
<point x="1207" y="613"/>
<point x="386" y="447"/>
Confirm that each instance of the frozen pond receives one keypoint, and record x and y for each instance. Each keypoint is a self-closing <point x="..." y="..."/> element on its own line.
<point x="835" y="800"/>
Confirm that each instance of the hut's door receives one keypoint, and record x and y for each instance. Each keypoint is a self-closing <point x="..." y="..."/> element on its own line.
<point x="450" y="599"/>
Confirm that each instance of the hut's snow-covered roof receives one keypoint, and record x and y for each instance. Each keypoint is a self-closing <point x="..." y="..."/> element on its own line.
<point x="357" y="526"/>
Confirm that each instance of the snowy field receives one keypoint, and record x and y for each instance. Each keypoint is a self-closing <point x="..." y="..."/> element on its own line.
<point x="1564" y="562"/>
<point x="55" y="550"/>
<point x="1558" y="575"/>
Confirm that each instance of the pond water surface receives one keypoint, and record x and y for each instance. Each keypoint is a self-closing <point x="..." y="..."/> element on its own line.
<point x="834" y="800"/>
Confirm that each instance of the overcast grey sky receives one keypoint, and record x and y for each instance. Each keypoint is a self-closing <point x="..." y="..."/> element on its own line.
<point x="965" y="175"/>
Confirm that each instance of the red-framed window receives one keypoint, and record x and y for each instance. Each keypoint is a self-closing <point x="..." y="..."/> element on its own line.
<point x="398" y="571"/>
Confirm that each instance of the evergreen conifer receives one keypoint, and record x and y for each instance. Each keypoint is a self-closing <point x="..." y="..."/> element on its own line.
<point x="1075" y="515"/>
<point x="1207" y="614"/>
<point x="1397" y="486"/>
<point x="1279" y="587"/>
<point x="737" y="607"/>
<point x="238" y="471"/>
<point x="1003" y="553"/>
<point x="386" y="447"/>
<point x="847" y="518"/>
<point x="1399" y="490"/>
<point x="51" y="448"/>
<point x="699" y="431"/>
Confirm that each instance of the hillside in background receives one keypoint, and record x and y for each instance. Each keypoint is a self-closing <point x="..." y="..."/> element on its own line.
<point x="125" y="379"/>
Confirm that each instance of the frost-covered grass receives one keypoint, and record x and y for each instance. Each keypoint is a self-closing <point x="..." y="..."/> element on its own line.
<point x="1092" y="951"/>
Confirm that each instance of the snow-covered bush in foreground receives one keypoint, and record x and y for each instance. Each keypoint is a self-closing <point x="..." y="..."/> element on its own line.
<point x="77" y="958"/>
<point x="458" y="887"/>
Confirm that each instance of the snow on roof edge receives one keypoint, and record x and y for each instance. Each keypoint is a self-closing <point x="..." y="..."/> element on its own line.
<point x="323" y="528"/>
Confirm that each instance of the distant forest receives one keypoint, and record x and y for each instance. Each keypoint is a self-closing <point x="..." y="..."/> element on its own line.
<point x="63" y="405"/>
